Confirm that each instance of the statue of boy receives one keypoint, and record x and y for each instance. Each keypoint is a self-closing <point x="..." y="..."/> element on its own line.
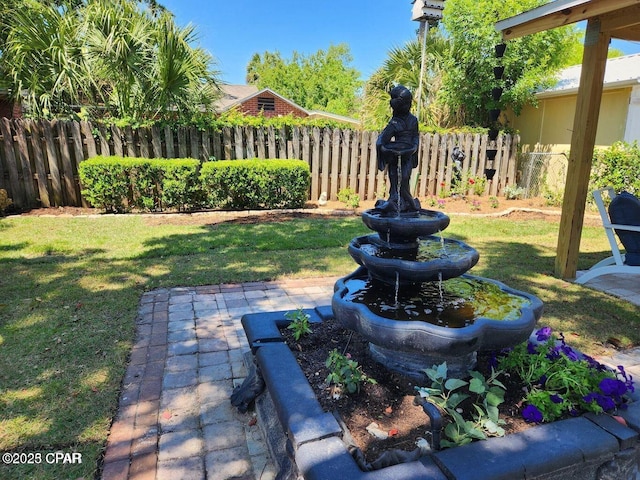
<point x="398" y="144"/>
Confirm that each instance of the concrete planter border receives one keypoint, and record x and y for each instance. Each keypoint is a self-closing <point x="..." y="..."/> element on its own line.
<point x="307" y="441"/>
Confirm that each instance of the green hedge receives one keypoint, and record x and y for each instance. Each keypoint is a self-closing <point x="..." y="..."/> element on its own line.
<point x="617" y="166"/>
<point x="254" y="183"/>
<point x="119" y="184"/>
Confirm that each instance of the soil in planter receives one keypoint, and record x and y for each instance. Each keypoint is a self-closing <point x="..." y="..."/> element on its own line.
<point x="389" y="402"/>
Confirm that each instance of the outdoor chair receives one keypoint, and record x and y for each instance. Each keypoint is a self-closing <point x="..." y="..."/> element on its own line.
<point x="622" y="219"/>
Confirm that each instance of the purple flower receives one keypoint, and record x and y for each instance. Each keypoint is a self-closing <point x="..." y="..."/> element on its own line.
<point x="531" y="414"/>
<point x="555" y="398"/>
<point x="531" y="348"/>
<point x="605" y="402"/>
<point x="613" y="387"/>
<point x="628" y="379"/>
<point x="543" y="334"/>
<point x="570" y="353"/>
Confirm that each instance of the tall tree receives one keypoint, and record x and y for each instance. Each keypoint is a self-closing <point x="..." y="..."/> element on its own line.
<point x="322" y="81"/>
<point x="529" y="62"/>
<point x="402" y="67"/>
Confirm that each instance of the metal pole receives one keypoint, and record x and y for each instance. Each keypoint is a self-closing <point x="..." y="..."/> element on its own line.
<point x="424" y="47"/>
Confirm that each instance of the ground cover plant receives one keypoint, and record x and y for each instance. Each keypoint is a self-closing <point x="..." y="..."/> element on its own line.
<point x="70" y="286"/>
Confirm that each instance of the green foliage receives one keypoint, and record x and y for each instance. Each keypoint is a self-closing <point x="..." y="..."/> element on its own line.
<point x="5" y="201"/>
<point x="119" y="184"/>
<point x="254" y="183"/>
<point x="345" y="372"/>
<point x="530" y="62"/>
<point x="349" y="198"/>
<point x="321" y="81"/>
<point x="617" y="166"/>
<point x="493" y="201"/>
<point x="299" y="323"/>
<point x="513" y="192"/>
<point x="448" y="394"/>
<point x="561" y="381"/>
<point x="134" y="62"/>
<point x="233" y="118"/>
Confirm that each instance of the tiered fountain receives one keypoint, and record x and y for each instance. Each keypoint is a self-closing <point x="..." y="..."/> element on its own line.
<point x="411" y="298"/>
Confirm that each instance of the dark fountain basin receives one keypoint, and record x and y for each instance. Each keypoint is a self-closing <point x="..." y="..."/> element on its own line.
<point x="405" y="227"/>
<point x="411" y="330"/>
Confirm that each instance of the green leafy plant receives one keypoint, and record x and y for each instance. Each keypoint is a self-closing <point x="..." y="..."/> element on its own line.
<point x="349" y="197"/>
<point x="553" y="198"/>
<point x="617" y="167"/>
<point x="345" y="372"/>
<point x="561" y="381"/>
<point x="5" y="201"/>
<point x="513" y="192"/>
<point x="449" y="393"/>
<point x="493" y="202"/>
<point x="299" y="325"/>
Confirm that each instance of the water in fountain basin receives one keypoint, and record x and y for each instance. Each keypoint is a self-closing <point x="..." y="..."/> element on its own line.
<point x="429" y="248"/>
<point x="461" y="301"/>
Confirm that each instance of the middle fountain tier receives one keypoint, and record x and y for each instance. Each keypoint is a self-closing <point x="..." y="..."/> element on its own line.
<point x="413" y="301"/>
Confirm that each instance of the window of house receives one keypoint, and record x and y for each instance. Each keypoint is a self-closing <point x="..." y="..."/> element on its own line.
<point x="267" y="104"/>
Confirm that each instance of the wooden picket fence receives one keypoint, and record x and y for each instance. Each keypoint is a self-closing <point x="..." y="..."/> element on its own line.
<point x="39" y="158"/>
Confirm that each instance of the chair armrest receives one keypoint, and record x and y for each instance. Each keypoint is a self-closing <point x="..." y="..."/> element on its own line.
<point x="628" y="228"/>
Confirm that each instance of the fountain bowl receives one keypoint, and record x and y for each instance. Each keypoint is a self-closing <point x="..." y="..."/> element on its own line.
<point x="410" y="346"/>
<point x="401" y="264"/>
<point x="404" y="227"/>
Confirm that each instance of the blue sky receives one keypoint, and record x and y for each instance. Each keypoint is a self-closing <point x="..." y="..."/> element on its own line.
<point x="232" y="31"/>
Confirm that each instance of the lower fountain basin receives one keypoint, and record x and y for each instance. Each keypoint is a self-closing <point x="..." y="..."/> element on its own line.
<point x="430" y="258"/>
<point x="408" y="346"/>
<point x="404" y="227"/>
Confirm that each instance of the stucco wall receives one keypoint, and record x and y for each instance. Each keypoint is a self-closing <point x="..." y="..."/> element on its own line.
<point x="549" y="126"/>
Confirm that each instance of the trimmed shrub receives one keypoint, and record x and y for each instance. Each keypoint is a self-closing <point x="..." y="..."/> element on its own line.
<point x="617" y="166"/>
<point x="255" y="183"/>
<point x="119" y="184"/>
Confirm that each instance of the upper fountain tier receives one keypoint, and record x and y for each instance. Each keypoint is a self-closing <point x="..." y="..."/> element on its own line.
<point x="405" y="251"/>
<point x="403" y="228"/>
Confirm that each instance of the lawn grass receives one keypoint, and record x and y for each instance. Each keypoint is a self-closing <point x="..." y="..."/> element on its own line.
<point x="70" y="289"/>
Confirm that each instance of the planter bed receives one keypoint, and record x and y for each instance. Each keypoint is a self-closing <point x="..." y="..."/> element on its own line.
<point x="306" y="441"/>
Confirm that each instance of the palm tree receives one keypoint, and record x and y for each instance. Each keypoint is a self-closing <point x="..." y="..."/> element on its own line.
<point x="402" y="66"/>
<point x="43" y="56"/>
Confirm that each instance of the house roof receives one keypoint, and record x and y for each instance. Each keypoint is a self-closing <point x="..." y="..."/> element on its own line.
<point x="234" y="95"/>
<point x="620" y="72"/>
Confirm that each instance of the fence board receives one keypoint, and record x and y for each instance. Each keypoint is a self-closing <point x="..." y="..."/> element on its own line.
<point x="364" y="163"/>
<point x="282" y="143"/>
<point x="261" y="144"/>
<point x="116" y="137"/>
<point x="182" y="142"/>
<point x="25" y="163"/>
<point x="353" y="164"/>
<point x="251" y="152"/>
<point x="85" y="128"/>
<point x="41" y="170"/>
<point x="132" y="151"/>
<point x="315" y="163"/>
<point x="335" y="163"/>
<point x="169" y="144"/>
<point x="70" y="188"/>
<point x="295" y="142"/>
<point x="103" y="141"/>
<point x="194" y="143"/>
<point x="52" y="159"/>
<point x="78" y="156"/>
<point x="271" y="142"/>
<point x="143" y="134"/>
<point x="16" y="192"/>
<point x="373" y="168"/>
<point x="326" y="152"/>
<point x="344" y="160"/>
<point x="237" y="140"/>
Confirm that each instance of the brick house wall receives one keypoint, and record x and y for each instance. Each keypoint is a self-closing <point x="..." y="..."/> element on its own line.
<point x="253" y="106"/>
<point x="9" y="109"/>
